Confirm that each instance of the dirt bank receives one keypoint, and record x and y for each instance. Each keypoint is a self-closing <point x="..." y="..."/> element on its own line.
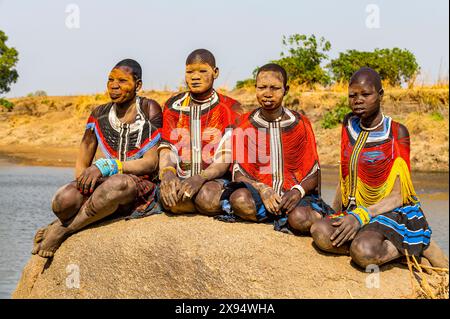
<point x="48" y="130"/>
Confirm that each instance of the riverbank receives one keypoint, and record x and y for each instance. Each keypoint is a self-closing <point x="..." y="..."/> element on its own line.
<point x="47" y="130"/>
<point x="38" y="155"/>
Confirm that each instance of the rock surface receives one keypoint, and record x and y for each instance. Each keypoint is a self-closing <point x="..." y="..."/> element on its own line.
<point x="198" y="257"/>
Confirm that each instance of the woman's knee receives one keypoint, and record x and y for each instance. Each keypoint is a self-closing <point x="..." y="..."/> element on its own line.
<point x="241" y="200"/>
<point x="67" y="201"/>
<point x="208" y="198"/>
<point x="302" y="218"/>
<point x="243" y="205"/>
<point x="321" y="232"/>
<point x="365" y="251"/>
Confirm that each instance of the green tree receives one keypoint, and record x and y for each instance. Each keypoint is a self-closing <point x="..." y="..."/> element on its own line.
<point x="303" y="57"/>
<point x="395" y="65"/>
<point x="8" y="60"/>
<point x="336" y="115"/>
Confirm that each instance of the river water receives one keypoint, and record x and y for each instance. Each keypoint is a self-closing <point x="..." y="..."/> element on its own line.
<point x="25" y="205"/>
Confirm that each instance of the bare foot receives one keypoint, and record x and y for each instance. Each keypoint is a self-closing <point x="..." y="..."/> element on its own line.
<point x="55" y="235"/>
<point x="37" y="239"/>
<point x="39" y="236"/>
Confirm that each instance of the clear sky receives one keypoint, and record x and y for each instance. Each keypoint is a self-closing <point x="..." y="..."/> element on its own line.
<point x="241" y="33"/>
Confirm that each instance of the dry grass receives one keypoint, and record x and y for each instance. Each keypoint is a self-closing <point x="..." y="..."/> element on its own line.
<point x="424" y="286"/>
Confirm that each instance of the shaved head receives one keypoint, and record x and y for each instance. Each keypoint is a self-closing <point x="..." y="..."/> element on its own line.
<point x="201" y="56"/>
<point x="367" y="75"/>
<point x="133" y="66"/>
<point x="274" y="68"/>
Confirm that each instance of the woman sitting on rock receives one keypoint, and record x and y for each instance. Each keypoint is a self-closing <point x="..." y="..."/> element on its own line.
<point x="379" y="216"/>
<point x="194" y="123"/>
<point x="128" y="132"/>
<point x="276" y="166"/>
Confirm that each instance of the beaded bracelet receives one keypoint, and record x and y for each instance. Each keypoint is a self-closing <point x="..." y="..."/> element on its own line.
<point x="119" y="166"/>
<point x="362" y="215"/>
<point x="109" y="167"/>
<point x="165" y="169"/>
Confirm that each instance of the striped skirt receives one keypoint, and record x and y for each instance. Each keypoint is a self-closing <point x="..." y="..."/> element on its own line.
<point x="406" y="227"/>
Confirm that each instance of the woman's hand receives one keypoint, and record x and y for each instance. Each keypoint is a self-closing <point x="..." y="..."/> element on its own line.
<point x="290" y="200"/>
<point x="271" y="200"/>
<point x="87" y="180"/>
<point x="170" y="184"/>
<point x="347" y="228"/>
<point x="190" y="186"/>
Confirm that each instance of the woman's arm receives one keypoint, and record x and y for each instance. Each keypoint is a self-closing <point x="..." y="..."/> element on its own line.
<point x="143" y="166"/>
<point x="390" y="202"/>
<point x="86" y="153"/>
<point x="337" y="202"/>
<point x="170" y="183"/>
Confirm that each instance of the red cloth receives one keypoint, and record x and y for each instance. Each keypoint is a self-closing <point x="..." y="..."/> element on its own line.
<point x="176" y="127"/>
<point x="299" y="151"/>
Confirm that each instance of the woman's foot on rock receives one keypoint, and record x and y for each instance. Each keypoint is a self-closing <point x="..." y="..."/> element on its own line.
<point x="54" y="236"/>
<point x="39" y="236"/>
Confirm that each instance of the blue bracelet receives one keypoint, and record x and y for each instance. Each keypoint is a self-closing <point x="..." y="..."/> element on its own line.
<point x="115" y="167"/>
<point x="357" y="217"/>
<point x="107" y="167"/>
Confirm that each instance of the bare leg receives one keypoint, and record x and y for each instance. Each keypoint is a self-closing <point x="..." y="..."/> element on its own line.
<point x="115" y="191"/>
<point x="435" y="255"/>
<point x="321" y="232"/>
<point x="302" y="218"/>
<point x="243" y="205"/>
<point x="372" y="248"/>
<point x="65" y="204"/>
<point x="207" y="200"/>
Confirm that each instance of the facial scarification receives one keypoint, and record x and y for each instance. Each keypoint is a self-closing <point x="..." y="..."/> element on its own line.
<point x="121" y="85"/>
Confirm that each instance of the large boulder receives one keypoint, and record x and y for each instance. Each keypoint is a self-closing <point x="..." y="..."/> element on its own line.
<point x="198" y="257"/>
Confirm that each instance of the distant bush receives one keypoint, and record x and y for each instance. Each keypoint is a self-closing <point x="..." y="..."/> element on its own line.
<point x="303" y="58"/>
<point x="396" y="66"/>
<point x="37" y="93"/>
<point x="245" y="83"/>
<point x="307" y="63"/>
<point x="6" y="104"/>
<point x="336" y="116"/>
<point x="302" y="61"/>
